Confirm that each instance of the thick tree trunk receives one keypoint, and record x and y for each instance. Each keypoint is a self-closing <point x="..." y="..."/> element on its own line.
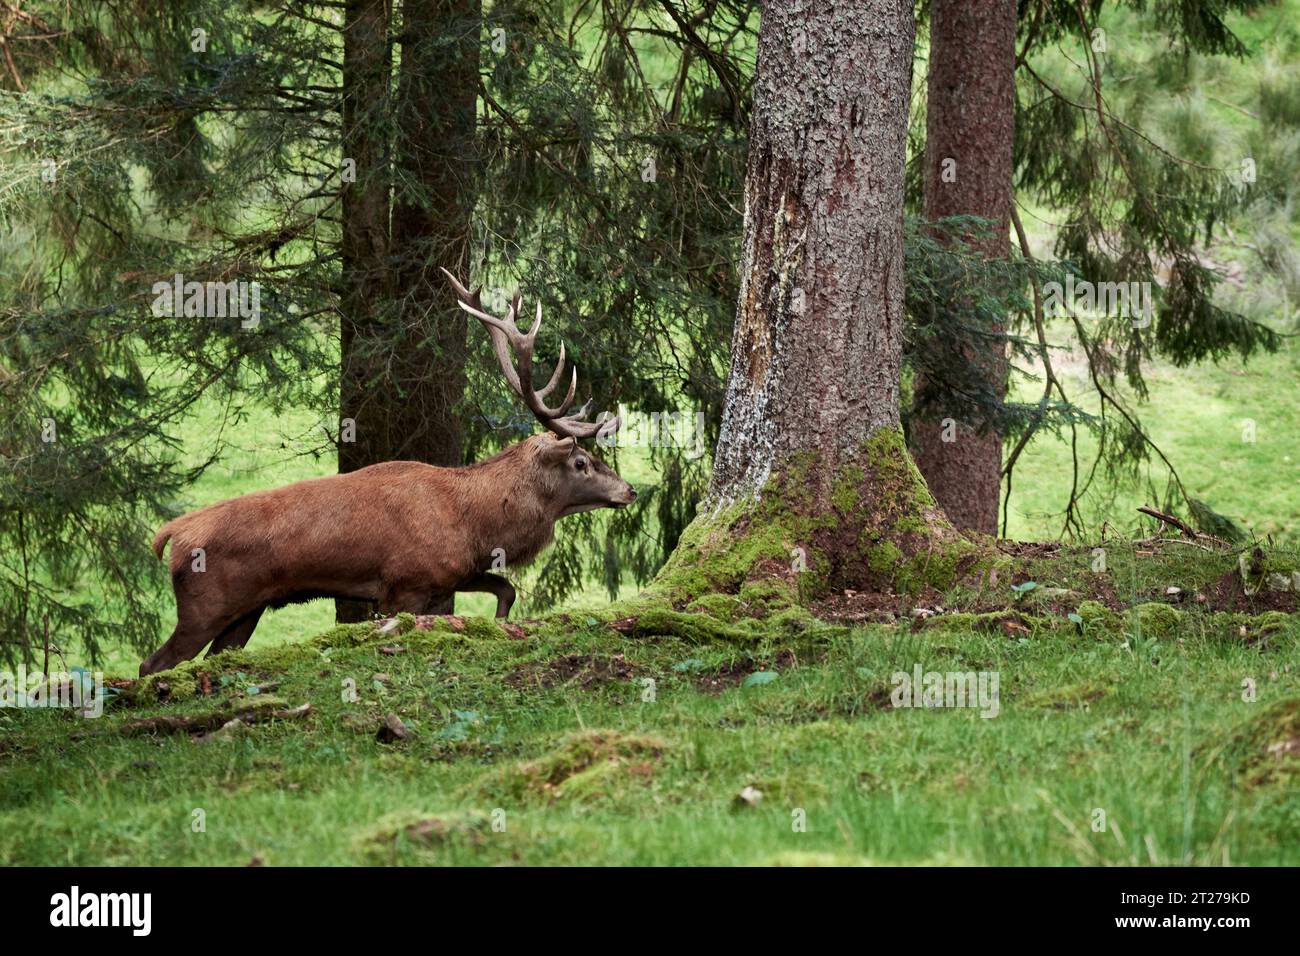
<point x="812" y="484"/>
<point x="970" y="128"/>
<point x="819" y="325"/>
<point x="366" y="65"/>
<point x="438" y="97"/>
<point x="404" y="365"/>
<point x="403" y="361"/>
<point x="436" y="150"/>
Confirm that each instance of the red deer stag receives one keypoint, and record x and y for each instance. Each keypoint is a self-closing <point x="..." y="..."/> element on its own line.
<point x="403" y="534"/>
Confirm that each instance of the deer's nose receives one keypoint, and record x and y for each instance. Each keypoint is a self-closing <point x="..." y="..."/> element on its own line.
<point x="631" y="493"/>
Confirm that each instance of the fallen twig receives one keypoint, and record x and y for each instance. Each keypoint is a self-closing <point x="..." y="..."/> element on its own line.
<point x="204" y="723"/>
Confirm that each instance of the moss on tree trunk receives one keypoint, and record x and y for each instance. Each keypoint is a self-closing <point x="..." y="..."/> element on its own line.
<point x="876" y="528"/>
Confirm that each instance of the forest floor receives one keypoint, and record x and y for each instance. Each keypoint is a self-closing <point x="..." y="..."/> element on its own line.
<point x="1130" y="724"/>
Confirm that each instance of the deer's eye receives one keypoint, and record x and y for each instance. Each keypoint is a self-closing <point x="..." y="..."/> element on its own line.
<point x="580" y="464"/>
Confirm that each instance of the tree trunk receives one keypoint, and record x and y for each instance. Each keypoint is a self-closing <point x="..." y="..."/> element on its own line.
<point x="438" y="97"/>
<point x="811" y="474"/>
<point x="819" y="324"/>
<point x="365" y="237"/>
<point x="403" y="357"/>
<point x="436" y="149"/>
<point x="970" y="129"/>
<point x="366" y="67"/>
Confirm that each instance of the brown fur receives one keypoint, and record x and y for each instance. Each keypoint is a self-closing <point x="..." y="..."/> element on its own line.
<point x="402" y="534"/>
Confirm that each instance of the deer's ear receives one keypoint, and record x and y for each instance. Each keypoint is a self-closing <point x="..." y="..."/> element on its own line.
<point x="559" y="449"/>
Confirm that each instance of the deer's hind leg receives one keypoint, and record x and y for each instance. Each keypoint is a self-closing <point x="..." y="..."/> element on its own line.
<point x="202" y="616"/>
<point x="405" y="599"/>
<point x="236" y="635"/>
<point x="193" y="632"/>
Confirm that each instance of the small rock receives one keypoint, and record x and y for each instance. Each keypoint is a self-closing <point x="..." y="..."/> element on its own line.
<point x="1053" y="593"/>
<point x="1285" y="747"/>
<point x="392" y="729"/>
<point x="749" y="797"/>
<point x="229" y="731"/>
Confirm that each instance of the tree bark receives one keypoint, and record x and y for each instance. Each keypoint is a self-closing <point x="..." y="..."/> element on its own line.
<point x="437" y="151"/>
<point x="367" y="64"/>
<point x="365" y="236"/>
<point x="816" y="350"/>
<point x="404" y="338"/>
<point x="970" y="122"/>
<point x="812" y="486"/>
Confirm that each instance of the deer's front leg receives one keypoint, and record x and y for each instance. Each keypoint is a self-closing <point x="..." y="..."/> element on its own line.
<point x="492" y="584"/>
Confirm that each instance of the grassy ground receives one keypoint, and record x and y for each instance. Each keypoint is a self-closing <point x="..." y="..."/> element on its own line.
<point x="557" y="749"/>
<point x="1196" y="416"/>
<point x="1229" y="430"/>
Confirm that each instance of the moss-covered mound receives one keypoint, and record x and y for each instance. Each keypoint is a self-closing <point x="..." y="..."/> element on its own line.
<point x="872" y="526"/>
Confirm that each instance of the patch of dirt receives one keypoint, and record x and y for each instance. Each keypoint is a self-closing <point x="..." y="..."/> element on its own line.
<point x="1103" y="591"/>
<point x="1267" y="747"/>
<point x="1229" y="594"/>
<point x="427" y="832"/>
<point x="871" y="607"/>
<point x="1010" y="623"/>
<point x="734" y="674"/>
<point x="581" y="670"/>
<point x="425" y="622"/>
<point x="207" y="723"/>
<point x="1030" y="549"/>
<point x="881" y="697"/>
<point x="719" y="680"/>
<point x="435" y="830"/>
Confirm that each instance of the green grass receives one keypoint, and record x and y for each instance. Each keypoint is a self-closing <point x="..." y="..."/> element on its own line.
<point x="554" y="736"/>
<point x="1198" y="418"/>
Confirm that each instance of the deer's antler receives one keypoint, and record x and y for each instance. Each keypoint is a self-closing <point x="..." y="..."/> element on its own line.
<point x="506" y="336"/>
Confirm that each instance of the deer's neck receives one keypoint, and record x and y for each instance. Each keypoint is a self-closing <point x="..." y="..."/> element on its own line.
<point x="513" y="504"/>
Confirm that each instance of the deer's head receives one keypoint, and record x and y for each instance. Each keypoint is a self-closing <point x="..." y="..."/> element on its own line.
<point x="575" y="478"/>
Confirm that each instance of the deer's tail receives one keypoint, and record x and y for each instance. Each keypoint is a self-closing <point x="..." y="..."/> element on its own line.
<point x="161" y="538"/>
